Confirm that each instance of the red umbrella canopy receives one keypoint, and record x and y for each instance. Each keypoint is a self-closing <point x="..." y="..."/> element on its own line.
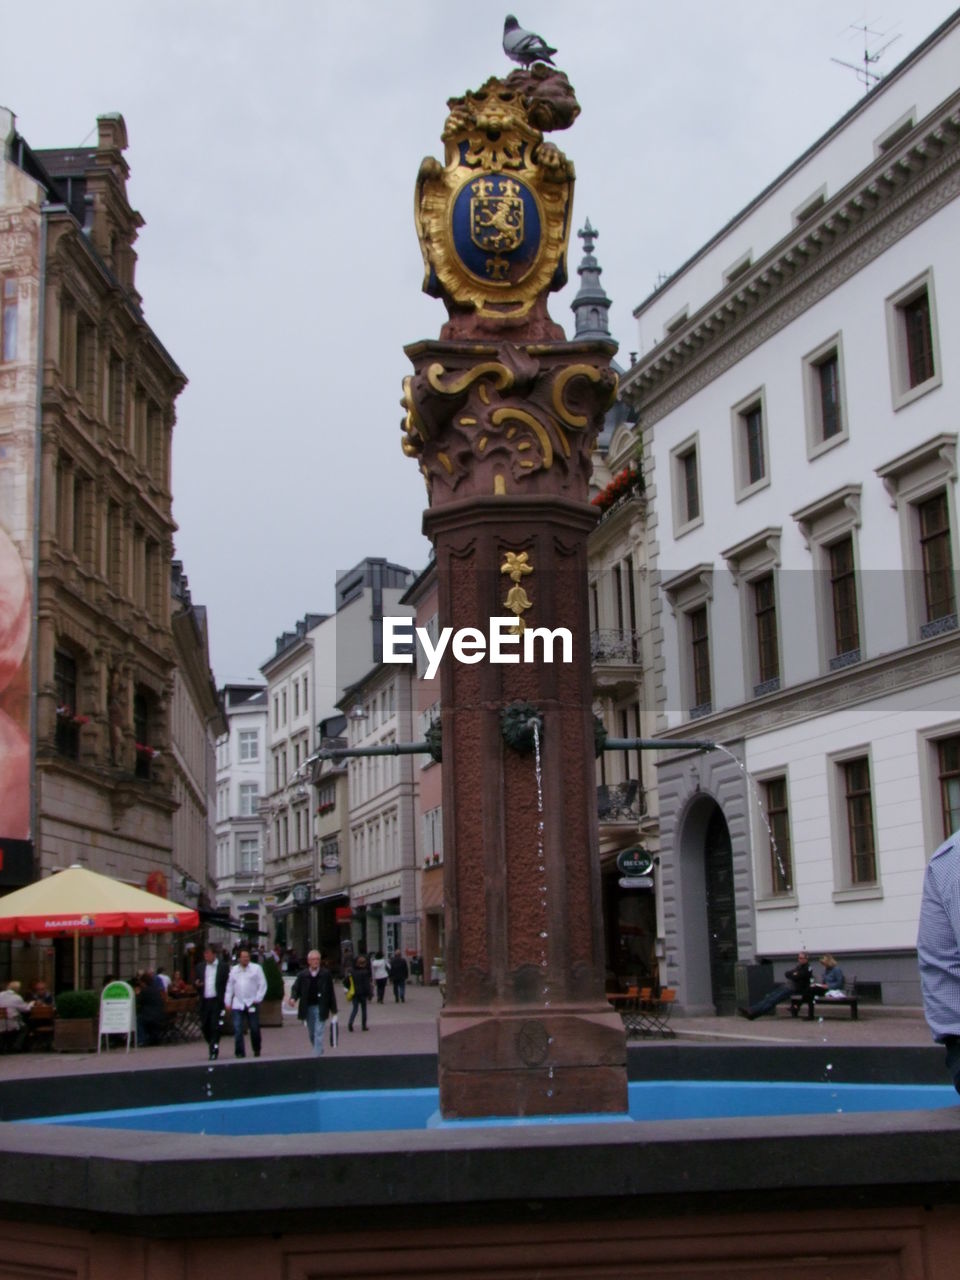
<point x="78" y="902"/>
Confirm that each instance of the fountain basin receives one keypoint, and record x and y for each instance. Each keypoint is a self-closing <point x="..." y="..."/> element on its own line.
<point x="876" y="1192"/>
<point x="365" y="1110"/>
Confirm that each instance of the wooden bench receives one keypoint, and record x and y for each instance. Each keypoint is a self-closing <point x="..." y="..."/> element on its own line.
<point x="821" y="1002"/>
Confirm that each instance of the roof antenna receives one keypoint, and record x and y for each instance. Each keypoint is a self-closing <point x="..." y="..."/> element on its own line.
<point x="867" y="77"/>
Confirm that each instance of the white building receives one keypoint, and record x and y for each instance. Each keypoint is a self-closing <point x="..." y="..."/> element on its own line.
<point x="307" y="674"/>
<point x="241" y="786"/>
<point x="799" y="415"/>
<point x="383" y="812"/>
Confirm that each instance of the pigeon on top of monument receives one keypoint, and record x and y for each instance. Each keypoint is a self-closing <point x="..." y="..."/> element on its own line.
<point x="524" y="46"/>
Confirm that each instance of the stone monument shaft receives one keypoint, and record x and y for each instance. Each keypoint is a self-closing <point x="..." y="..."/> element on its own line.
<point x="502" y="413"/>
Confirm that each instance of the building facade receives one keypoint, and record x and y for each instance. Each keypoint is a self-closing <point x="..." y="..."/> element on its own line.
<point x="383" y="808"/>
<point x="423" y="597"/>
<point x="87" y="394"/>
<point x="799" y="431"/>
<point x="242" y="761"/>
<point x="196" y="723"/>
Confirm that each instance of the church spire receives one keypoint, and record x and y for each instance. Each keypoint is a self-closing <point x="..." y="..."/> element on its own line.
<point x="591" y="304"/>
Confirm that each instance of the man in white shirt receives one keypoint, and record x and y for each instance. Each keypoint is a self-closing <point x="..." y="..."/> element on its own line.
<point x="15" y="1010"/>
<point x="246" y="987"/>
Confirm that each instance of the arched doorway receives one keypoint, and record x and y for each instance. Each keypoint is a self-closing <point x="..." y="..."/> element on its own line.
<point x="721" y="912"/>
<point x="709" y="952"/>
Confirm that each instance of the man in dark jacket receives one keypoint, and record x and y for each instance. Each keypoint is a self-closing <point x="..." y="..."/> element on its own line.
<point x="796" y="983"/>
<point x="314" y="995"/>
<point x="399" y="973"/>
<point x="211" y="983"/>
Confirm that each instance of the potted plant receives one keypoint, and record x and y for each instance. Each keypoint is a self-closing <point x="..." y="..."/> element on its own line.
<point x="271" y="1009"/>
<point x="75" y="1026"/>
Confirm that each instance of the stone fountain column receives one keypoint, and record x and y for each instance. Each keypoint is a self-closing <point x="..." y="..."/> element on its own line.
<point x="502" y="413"/>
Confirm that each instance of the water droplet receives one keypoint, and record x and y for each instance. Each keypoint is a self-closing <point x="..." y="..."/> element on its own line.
<point x="549" y="1039"/>
<point x="543" y="964"/>
<point x="546" y="1004"/>
<point x="543" y="933"/>
<point x="829" y="1066"/>
<point x="549" y="1093"/>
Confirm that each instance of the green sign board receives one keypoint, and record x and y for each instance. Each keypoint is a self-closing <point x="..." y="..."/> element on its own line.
<point x="635" y="861"/>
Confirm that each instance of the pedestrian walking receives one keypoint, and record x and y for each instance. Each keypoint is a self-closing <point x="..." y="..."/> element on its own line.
<point x="362" y="990"/>
<point x="211" y="984"/>
<point x="399" y="973"/>
<point x="380" y="972"/>
<point x="314" y="997"/>
<point x="246" y="988"/>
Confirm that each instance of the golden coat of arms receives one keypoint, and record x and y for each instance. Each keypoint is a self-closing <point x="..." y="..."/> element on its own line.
<point x="494" y="220"/>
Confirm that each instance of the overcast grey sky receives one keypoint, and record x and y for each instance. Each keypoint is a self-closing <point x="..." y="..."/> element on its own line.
<point x="273" y="150"/>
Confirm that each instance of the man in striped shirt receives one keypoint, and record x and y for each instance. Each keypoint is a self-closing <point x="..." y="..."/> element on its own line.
<point x="938" y="949"/>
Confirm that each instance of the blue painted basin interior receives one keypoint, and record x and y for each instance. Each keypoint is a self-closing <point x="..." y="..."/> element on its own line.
<point x="351" y="1111"/>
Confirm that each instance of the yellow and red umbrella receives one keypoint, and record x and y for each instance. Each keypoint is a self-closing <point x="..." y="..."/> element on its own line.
<point x="79" y="903"/>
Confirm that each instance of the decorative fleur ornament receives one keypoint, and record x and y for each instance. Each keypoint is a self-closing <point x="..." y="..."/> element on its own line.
<point x="517" y="565"/>
<point x="494" y="219"/>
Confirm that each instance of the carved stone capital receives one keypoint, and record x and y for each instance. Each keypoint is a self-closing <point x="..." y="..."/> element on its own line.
<point x="491" y="420"/>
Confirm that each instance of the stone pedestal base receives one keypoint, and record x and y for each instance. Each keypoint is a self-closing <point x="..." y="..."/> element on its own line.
<point x="528" y="1062"/>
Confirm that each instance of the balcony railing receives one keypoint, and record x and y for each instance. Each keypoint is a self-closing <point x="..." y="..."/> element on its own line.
<point x="615" y="646"/>
<point x="620" y="802"/>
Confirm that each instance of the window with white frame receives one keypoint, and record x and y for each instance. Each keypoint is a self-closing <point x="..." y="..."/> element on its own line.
<point x="248" y="855"/>
<point x="858" y="802"/>
<point x="753" y="564"/>
<point x="913" y="341"/>
<point x="685" y="477"/>
<point x="249" y="798"/>
<point x="829" y="528"/>
<point x="248" y="743"/>
<point x="948" y="779"/>
<point x="749" y="423"/>
<point x="823" y="395"/>
<point x="856" y="869"/>
<point x="922" y="485"/>
<point x="844" y="609"/>
<point x="936" y="558"/>
<point x="433" y="835"/>
<point x="689" y="595"/>
<point x="763" y="590"/>
<point x="776" y="874"/>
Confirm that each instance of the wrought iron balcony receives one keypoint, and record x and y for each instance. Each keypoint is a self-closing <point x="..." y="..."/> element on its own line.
<point x="612" y="645"/>
<point x="621" y="802"/>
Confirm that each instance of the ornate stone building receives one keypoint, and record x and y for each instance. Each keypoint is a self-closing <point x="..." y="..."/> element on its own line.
<point x="197" y="721"/>
<point x="621" y="659"/>
<point x="102" y="776"/>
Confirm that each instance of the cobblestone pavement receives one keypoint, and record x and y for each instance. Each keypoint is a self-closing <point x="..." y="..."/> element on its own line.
<point x="411" y="1028"/>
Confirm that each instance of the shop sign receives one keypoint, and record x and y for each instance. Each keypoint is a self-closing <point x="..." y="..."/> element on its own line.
<point x="635" y="861"/>
<point x="118" y="1010"/>
<point x="301" y="894"/>
<point x="342" y="914"/>
<point x="636" y="882"/>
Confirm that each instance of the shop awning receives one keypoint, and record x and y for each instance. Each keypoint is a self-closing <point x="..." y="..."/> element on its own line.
<point x="329" y="897"/>
<point x="219" y="921"/>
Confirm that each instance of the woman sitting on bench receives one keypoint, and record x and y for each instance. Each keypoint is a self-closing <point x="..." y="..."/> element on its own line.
<point x="832" y="982"/>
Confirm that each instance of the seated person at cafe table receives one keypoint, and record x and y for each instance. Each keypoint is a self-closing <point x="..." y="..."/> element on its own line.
<point x="15" y="1010"/>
